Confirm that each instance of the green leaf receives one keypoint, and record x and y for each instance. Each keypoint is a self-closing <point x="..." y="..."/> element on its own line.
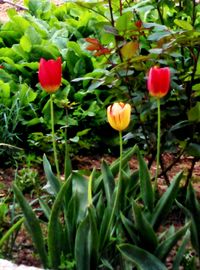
<point x="51" y="178"/>
<point x="55" y="230"/>
<point x="193" y="149"/>
<point x="142" y="259"/>
<point x="183" y="24"/>
<point x="123" y="23"/>
<point x="33" y="226"/>
<point x="25" y="43"/>
<point x="194" y="113"/>
<point x="166" y="246"/>
<point x="148" y="238"/>
<point x="10" y="231"/>
<point x="86" y="242"/>
<point x="147" y="193"/>
<point x="80" y="187"/>
<point x="181" y="251"/>
<point x="108" y="180"/>
<point x="164" y="205"/>
<point x="193" y="206"/>
<point x="114" y="167"/>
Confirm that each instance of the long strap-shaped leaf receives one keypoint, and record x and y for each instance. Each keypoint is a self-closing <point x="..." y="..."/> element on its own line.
<point x="14" y="227"/>
<point x="145" y="184"/>
<point x="86" y="243"/>
<point x="166" y="246"/>
<point x="51" y="178"/>
<point x="148" y="238"/>
<point x="164" y="205"/>
<point x="54" y="229"/>
<point x="114" y="167"/>
<point x="142" y="259"/>
<point x="33" y="226"/>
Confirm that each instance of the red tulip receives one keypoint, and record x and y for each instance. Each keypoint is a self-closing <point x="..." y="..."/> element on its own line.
<point x="50" y="74"/>
<point x="158" y="82"/>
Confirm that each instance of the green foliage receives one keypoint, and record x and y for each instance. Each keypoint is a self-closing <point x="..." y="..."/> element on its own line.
<point x="89" y="226"/>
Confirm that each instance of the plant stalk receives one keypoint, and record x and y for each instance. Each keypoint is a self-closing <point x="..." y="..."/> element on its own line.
<point x="158" y="146"/>
<point x="53" y="137"/>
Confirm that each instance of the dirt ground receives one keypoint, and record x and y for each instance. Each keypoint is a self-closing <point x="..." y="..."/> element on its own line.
<point x="18" y="4"/>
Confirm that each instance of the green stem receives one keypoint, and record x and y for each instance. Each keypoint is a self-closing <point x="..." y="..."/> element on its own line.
<point x="67" y="163"/>
<point x="158" y="145"/>
<point x="53" y="137"/>
<point x="118" y="188"/>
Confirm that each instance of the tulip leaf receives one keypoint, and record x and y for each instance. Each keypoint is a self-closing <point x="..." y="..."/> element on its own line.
<point x="114" y="167"/>
<point x="164" y="205"/>
<point x="181" y="251"/>
<point x="108" y="180"/>
<point x="33" y="225"/>
<point x="142" y="259"/>
<point x="148" y="238"/>
<point x="55" y="229"/>
<point x="166" y="246"/>
<point x="51" y="178"/>
<point x="86" y="242"/>
<point x="193" y="206"/>
<point x="147" y="193"/>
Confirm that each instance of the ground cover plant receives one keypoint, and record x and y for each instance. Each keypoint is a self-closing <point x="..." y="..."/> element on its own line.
<point x="61" y="69"/>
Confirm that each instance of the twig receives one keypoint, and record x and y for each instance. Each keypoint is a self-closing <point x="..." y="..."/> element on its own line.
<point x="19" y="7"/>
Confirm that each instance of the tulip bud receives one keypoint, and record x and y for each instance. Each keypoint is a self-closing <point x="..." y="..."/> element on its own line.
<point x="158" y="82"/>
<point x="50" y="74"/>
<point x="118" y="115"/>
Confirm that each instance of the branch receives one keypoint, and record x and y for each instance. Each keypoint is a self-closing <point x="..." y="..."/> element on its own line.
<point x="19" y="7"/>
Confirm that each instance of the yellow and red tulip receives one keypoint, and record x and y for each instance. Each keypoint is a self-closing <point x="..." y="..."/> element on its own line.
<point x="119" y="115"/>
<point x="50" y="74"/>
<point x="158" y="82"/>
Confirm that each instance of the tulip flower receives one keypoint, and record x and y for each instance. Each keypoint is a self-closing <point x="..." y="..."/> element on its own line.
<point x="50" y="74"/>
<point x="158" y="82"/>
<point x="118" y="115"/>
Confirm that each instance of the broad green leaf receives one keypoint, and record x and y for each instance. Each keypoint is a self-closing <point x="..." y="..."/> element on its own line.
<point x="165" y="203"/>
<point x="123" y="23"/>
<point x="33" y="226"/>
<point x="108" y="180"/>
<point x="51" y="178"/>
<point x="194" y="113"/>
<point x="193" y="149"/>
<point x="55" y="229"/>
<point x="130" y="229"/>
<point x="86" y="243"/>
<point x="147" y="193"/>
<point x="25" y="43"/>
<point x="142" y="259"/>
<point x="80" y="187"/>
<point x="148" y="238"/>
<point x="129" y="49"/>
<point x="183" y="24"/>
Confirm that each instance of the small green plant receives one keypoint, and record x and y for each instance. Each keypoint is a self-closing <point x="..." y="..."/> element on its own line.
<point x="27" y="179"/>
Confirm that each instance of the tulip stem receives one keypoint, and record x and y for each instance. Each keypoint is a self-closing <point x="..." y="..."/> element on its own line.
<point x="158" y="145"/>
<point x="53" y="137"/>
